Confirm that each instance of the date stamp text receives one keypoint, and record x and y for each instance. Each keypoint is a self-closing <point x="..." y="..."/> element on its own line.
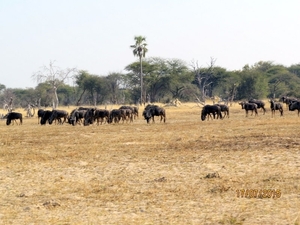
<point x="258" y="193"/>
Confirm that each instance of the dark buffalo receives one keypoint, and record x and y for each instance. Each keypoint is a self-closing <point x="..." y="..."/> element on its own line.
<point x="58" y="115"/>
<point x="294" y="106"/>
<point x="76" y="116"/>
<point x="135" y="112"/>
<point x="101" y="115"/>
<point x="116" y="115"/>
<point x="153" y="110"/>
<point x="123" y="114"/>
<point x="126" y="107"/>
<point x="260" y="104"/>
<point x="288" y="100"/>
<point x="128" y="114"/>
<point x="84" y="108"/>
<point x="210" y="110"/>
<point x="72" y="119"/>
<point x="89" y="116"/>
<point x="129" y="110"/>
<point x="40" y="114"/>
<point x="134" y="109"/>
<point x="46" y="115"/>
<point x="225" y="109"/>
<point x="249" y="107"/>
<point x="276" y="106"/>
<point x="13" y="116"/>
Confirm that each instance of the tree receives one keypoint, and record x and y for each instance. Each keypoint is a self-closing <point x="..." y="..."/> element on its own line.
<point x="164" y="79"/>
<point x="278" y="75"/>
<point x="2" y="87"/>
<point x="203" y="77"/>
<point x="295" y="69"/>
<point x="140" y="50"/>
<point x="179" y="82"/>
<point x="102" y="89"/>
<point x="253" y="84"/>
<point x="23" y="97"/>
<point x="43" y="95"/>
<point x="94" y="88"/>
<point x="113" y="81"/>
<point x="156" y="79"/>
<point x="66" y="94"/>
<point x="155" y="74"/>
<point x="223" y="85"/>
<point x="81" y="78"/>
<point x="55" y="76"/>
<point x="86" y="82"/>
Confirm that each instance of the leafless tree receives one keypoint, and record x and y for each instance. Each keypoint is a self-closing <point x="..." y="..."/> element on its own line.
<point x="55" y="76"/>
<point x="232" y="92"/>
<point x="203" y="77"/>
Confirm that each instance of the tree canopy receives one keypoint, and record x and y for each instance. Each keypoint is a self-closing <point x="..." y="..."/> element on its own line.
<point x="163" y="80"/>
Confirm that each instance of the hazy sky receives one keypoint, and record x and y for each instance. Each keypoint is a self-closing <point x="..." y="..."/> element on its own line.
<point x="95" y="35"/>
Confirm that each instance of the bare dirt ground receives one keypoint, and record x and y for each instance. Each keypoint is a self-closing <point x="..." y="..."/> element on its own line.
<point x="185" y="171"/>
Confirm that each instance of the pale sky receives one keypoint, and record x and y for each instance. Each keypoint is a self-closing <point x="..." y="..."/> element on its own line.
<point x="95" y="35"/>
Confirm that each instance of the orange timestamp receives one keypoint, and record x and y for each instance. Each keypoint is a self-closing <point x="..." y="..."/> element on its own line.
<point x="258" y="193"/>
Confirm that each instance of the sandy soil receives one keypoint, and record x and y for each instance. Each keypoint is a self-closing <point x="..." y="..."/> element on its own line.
<point x="186" y="171"/>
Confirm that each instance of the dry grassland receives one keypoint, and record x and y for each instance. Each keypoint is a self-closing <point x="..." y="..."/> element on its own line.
<point x="183" y="172"/>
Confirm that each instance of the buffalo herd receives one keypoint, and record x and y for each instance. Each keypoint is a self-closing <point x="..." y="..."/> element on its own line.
<point x="92" y="115"/>
<point x="214" y="111"/>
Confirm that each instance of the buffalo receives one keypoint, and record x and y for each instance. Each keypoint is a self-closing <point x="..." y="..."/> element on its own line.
<point x="40" y="114"/>
<point x="128" y="115"/>
<point x="101" y="115"/>
<point x="116" y="115"/>
<point x="58" y="115"/>
<point x="134" y="109"/>
<point x="248" y="107"/>
<point x="153" y="110"/>
<point x="89" y="116"/>
<point x="135" y="112"/>
<point x="45" y="117"/>
<point x="276" y="106"/>
<point x="13" y="116"/>
<point x="259" y="103"/>
<point x="288" y="100"/>
<point x="294" y="106"/>
<point x="225" y="109"/>
<point x="76" y="116"/>
<point x="211" y="109"/>
<point x="84" y="108"/>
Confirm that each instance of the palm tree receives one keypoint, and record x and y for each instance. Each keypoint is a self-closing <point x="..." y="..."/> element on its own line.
<point x="139" y="50"/>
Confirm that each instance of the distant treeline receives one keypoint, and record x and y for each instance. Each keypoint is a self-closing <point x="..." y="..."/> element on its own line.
<point x="164" y="80"/>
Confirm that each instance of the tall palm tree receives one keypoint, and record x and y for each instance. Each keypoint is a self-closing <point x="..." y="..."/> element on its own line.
<point x="139" y="50"/>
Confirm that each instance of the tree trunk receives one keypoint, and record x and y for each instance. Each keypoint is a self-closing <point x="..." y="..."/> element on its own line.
<point x="232" y="93"/>
<point x="55" y="100"/>
<point x="80" y="97"/>
<point x="141" y="75"/>
<point x="39" y="103"/>
<point x="95" y="101"/>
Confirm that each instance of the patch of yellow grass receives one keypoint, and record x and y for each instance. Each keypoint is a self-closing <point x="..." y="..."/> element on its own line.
<point x="186" y="171"/>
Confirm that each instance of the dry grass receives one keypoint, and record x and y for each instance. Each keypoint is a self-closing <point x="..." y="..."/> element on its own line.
<point x="183" y="172"/>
